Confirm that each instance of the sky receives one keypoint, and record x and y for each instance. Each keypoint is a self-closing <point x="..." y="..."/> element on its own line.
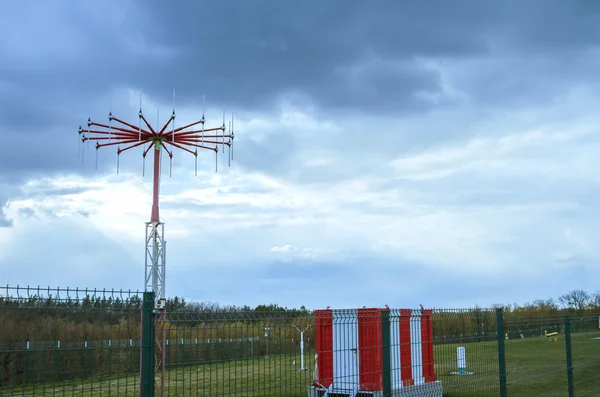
<point x="400" y="153"/>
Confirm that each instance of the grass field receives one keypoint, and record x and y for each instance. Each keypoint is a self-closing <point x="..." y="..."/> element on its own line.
<point x="536" y="367"/>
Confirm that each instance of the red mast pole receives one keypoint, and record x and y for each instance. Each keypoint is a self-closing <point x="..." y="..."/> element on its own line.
<point x="154" y="217"/>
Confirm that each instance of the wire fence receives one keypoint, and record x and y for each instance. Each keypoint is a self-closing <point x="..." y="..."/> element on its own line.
<point x="96" y="342"/>
<point x="56" y="341"/>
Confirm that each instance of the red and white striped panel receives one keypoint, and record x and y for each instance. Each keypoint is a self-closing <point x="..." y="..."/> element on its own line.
<point x="336" y="348"/>
<point x="412" y="347"/>
<point x="349" y="349"/>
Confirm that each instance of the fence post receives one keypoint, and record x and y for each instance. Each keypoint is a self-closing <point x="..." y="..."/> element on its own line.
<point x="569" y="356"/>
<point x="501" y="350"/>
<point x="148" y="348"/>
<point x="386" y="355"/>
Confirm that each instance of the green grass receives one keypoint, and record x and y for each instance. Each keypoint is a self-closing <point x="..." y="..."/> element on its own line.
<point x="536" y="367"/>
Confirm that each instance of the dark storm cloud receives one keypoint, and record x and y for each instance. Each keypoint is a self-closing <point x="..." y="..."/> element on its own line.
<point x="68" y="58"/>
<point x="335" y="54"/>
<point x="354" y="55"/>
<point x="64" y="64"/>
<point x="338" y="54"/>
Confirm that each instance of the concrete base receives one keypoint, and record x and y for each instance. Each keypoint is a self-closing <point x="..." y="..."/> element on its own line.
<point x="432" y="389"/>
<point x="318" y="392"/>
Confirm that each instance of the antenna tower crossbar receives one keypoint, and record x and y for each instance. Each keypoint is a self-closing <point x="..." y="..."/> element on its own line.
<point x="189" y="138"/>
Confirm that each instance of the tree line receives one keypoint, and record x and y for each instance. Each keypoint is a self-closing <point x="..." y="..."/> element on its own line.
<point x="574" y="302"/>
<point x="577" y="301"/>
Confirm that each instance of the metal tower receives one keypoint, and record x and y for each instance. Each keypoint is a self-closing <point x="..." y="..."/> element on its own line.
<point x="186" y="138"/>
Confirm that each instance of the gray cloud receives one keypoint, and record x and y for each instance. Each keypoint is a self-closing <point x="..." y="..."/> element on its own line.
<point x="349" y="57"/>
<point x="196" y="207"/>
<point x="5" y="222"/>
<point x="46" y="190"/>
<point x="260" y="51"/>
<point x="7" y="190"/>
<point x="27" y="213"/>
<point x="274" y="156"/>
<point x="340" y="55"/>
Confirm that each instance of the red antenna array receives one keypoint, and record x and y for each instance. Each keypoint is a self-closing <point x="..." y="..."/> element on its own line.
<point x="190" y="138"/>
<point x="129" y="136"/>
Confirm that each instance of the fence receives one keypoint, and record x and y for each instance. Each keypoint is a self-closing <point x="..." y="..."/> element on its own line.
<point x="94" y="343"/>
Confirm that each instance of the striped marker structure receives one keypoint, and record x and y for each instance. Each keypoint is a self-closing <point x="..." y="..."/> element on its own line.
<point x="350" y="348"/>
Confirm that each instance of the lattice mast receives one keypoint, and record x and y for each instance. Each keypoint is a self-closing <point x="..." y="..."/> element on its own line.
<point x="189" y="138"/>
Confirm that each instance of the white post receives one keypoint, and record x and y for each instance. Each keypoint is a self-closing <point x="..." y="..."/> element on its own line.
<point x="267" y="329"/>
<point x="462" y="360"/>
<point x="302" y="367"/>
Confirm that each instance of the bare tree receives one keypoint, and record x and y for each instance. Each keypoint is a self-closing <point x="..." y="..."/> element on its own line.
<point x="595" y="301"/>
<point x="576" y="300"/>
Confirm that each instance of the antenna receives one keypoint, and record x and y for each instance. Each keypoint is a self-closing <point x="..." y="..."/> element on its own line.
<point x="231" y="141"/>
<point x="173" y="116"/>
<point x="84" y="146"/>
<point x="172" y="136"/>
<point x="127" y="136"/>
<point x="144" y="153"/>
<point x="140" y="114"/>
<point x="223" y="131"/>
<point x="202" y="129"/>
<point x="80" y="141"/>
<point x="109" y="121"/>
